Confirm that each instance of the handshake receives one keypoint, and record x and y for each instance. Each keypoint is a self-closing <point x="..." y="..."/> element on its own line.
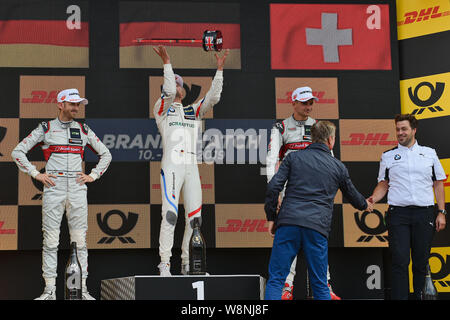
<point x="370" y="204"/>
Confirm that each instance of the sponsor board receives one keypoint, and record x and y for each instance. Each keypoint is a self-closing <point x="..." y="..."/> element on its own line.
<point x="417" y="17"/>
<point x="440" y="269"/>
<point x="426" y="97"/>
<point x="242" y="226"/>
<point x="38" y="95"/>
<point x="366" y="139"/>
<point x="206" y="172"/>
<point x="8" y="228"/>
<point x="9" y="137"/>
<point x="363" y="228"/>
<point x="118" y="226"/>
<point x="127" y="139"/>
<point x="446" y="165"/>
<point x="326" y="89"/>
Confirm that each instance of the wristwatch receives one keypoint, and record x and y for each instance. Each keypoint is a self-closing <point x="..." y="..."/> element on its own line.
<point x="444" y="212"/>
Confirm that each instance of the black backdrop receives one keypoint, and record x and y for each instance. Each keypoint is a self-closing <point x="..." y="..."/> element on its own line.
<point x="122" y="93"/>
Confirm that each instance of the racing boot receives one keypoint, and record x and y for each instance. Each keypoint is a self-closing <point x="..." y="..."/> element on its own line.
<point x="185" y="269"/>
<point x="164" y="269"/>
<point x="85" y="295"/>
<point x="287" y="292"/>
<point x="48" y="294"/>
<point x="332" y="294"/>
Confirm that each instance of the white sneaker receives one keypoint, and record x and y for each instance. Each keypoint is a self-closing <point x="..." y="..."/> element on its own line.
<point x="86" y="296"/>
<point x="164" y="269"/>
<point x="185" y="269"/>
<point x="48" y="294"/>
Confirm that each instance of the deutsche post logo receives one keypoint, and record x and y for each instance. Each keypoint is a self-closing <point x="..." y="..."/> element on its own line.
<point x="118" y="226"/>
<point x="440" y="269"/>
<point x="371" y="232"/>
<point x="426" y="97"/>
<point x="128" y="223"/>
<point x="363" y="228"/>
<point x="9" y="137"/>
<point x="436" y="92"/>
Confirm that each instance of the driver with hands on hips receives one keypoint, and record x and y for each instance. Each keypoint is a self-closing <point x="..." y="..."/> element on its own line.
<point x="63" y="141"/>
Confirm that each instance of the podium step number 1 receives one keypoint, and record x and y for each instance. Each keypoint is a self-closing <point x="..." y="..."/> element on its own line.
<point x="200" y="287"/>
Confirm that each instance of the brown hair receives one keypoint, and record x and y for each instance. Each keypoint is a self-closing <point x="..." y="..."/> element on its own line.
<point x="322" y="130"/>
<point x="407" y="117"/>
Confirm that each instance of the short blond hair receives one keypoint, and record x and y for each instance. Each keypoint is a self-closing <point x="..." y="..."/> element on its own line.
<point x="322" y="130"/>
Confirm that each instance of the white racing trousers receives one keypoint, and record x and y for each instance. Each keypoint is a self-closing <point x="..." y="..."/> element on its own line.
<point x="174" y="177"/>
<point x="67" y="195"/>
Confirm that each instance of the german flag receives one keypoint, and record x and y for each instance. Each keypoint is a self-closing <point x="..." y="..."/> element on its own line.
<point x="46" y="34"/>
<point x="177" y="20"/>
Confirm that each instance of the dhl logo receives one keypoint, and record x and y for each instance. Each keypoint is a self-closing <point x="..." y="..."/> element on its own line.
<point x="422" y="15"/>
<point x="319" y="94"/>
<point x="247" y="225"/>
<point x="6" y="231"/>
<point x="40" y="96"/>
<point x="358" y="139"/>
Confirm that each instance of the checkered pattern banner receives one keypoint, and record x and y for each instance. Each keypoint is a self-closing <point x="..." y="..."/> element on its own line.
<point x="347" y="54"/>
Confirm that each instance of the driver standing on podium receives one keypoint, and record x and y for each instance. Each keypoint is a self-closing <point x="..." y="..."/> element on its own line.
<point x="179" y="126"/>
<point x="63" y="141"/>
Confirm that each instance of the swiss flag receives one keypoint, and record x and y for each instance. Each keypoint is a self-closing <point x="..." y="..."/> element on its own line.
<point x="329" y="36"/>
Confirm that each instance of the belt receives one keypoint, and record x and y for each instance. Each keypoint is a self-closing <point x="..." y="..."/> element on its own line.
<point x="62" y="173"/>
<point x="414" y="207"/>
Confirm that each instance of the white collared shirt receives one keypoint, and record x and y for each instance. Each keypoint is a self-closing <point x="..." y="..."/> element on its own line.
<point x="410" y="173"/>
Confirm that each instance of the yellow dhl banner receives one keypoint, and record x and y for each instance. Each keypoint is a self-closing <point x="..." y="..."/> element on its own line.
<point x="446" y="165"/>
<point x="420" y="17"/>
<point x="426" y="97"/>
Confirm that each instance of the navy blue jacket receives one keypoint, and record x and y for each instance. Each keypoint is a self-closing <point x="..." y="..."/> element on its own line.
<point x="313" y="177"/>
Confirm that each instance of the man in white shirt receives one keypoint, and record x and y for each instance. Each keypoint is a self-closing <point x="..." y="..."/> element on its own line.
<point x="409" y="173"/>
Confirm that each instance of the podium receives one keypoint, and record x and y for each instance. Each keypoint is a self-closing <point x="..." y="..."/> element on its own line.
<point x="205" y="287"/>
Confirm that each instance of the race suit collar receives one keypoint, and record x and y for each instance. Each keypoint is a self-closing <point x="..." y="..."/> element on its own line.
<point x="64" y="124"/>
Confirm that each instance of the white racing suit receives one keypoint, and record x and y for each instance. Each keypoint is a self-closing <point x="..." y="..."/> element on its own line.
<point x="286" y="136"/>
<point x="63" y="146"/>
<point x="179" y="128"/>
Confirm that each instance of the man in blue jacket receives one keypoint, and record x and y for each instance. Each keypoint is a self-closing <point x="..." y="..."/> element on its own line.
<point x="313" y="177"/>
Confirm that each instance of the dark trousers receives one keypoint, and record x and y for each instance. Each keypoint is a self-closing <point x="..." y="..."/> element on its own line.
<point x="411" y="231"/>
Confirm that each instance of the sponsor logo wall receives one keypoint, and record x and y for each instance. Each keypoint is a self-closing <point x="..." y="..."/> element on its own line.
<point x="348" y="76"/>
<point x="416" y="18"/>
<point x="424" y="25"/>
<point x="440" y="269"/>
